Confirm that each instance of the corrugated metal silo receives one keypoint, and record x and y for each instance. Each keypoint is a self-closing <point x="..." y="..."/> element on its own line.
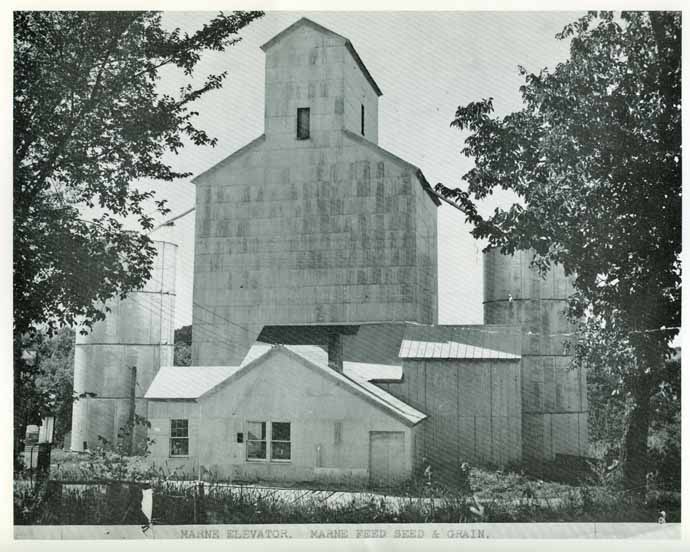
<point x="138" y="331"/>
<point x="554" y="397"/>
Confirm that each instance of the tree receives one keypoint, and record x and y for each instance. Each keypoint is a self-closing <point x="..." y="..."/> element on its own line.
<point x="607" y="357"/>
<point x="595" y="158"/>
<point x="89" y="123"/>
<point x="183" y="346"/>
<point x="49" y="390"/>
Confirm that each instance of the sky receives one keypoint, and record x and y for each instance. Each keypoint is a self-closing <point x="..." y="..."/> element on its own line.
<point x="427" y="64"/>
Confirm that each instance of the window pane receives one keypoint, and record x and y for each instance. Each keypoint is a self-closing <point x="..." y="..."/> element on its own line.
<point x="280" y="431"/>
<point x="179" y="447"/>
<point x="280" y="450"/>
<point x="256" y="449"/>
<point x="256" y="431"/>
<point x="302" y="123"/>
<point x="179" y="428"/>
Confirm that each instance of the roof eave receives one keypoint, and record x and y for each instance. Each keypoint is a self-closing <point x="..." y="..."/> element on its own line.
<point x="305" y="20"/>
<point x="229" y="158"/>
<point x="170" y="399"/>
<point x="363" y="68"/>
<point x="516" y="358"/>
<point x="427" y="187"/>
<point x="362" y="392"/>
<point x="418" y="172"/>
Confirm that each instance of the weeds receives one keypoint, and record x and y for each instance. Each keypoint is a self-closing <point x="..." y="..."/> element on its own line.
<point x="479" y="496"/>
<point x="183" y="504"/>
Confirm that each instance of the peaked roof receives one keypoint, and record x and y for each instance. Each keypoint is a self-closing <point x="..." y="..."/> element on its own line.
<point x="187" y="382"/>
<point x="232" y="156"/>
<point x="418" y="172"/>
<point x="366" y="371"/>
<point x="195" y="382"/>
<point x="461" y="342"/>
<point x="305" y="21"/>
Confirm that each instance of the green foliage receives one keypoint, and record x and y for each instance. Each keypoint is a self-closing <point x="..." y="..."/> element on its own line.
<point x="492" y="496"/>
<point x="595" y="158"/>
<point x="183" y="346"/>
<point x="89" y="125"/>
<point x="105" y="463"/>
<point x="110" y="504"/>
<point x="46" y="383"/>
<point x="89" y="122"/>
<point x="178" y="503"/>
<point x="184" y="335"/>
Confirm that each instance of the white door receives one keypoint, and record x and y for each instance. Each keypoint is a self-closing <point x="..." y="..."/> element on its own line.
<point x="386" y="457"/>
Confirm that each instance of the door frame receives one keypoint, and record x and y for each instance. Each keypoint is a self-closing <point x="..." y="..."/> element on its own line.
<point x="371" y="434"/>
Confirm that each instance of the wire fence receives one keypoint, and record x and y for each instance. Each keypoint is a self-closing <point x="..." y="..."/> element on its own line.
<point x="148" y="502"/>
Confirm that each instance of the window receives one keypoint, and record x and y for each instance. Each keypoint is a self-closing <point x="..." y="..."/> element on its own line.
<point x="179" y="438"/>
<point x="302" y="123"/>
<point x="362" y="120"/>
<point x="280" y="441"/>
<point x="338" y="433"/>
<point x="256" y="440"/>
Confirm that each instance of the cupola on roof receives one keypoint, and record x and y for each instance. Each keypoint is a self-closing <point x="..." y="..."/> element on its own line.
<point x="345" y="42"/>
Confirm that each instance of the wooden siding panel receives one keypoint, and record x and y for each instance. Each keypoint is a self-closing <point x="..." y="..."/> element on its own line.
<point x="484" y="443"/>
<point x="565" y="434"/>
<point x="473" y="384"/>
<point x="467" y="446"/>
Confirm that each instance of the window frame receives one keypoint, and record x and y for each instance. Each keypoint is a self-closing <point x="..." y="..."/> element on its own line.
<point x="172" y="438"/>
<point x="248" y="440"/>
<point x="268" y="440"/>
<point x="289" y="442"/>
<point x="303" y="136"/>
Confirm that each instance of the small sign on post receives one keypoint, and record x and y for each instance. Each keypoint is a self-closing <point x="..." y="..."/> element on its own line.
<point x="45" y="431"/>
<point x="45" y="440"/>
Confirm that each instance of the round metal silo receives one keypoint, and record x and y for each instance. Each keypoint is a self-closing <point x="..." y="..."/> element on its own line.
<point x="554" y="397"/>
<point x="137" y="332"/>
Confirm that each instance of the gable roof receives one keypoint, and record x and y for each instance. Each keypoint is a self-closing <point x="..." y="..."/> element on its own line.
<point x="366" y="390"/>
<point x="366" y="371"/>
<point x="185" y="382"/>
<point x="417" y="171"/>
<point x="232" y="156"/>
<point x="346" y="42"/>
<point x="461" y="342"/>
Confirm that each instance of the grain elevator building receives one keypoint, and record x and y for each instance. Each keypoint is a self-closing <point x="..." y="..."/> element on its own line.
<point x="316" y="348"/>
<point x="312" y="226"/>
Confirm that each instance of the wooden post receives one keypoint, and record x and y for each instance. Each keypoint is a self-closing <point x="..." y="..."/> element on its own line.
<point x="54" y="494"/>
<point x="132" y="409"/>
<point x="201" y="516"/>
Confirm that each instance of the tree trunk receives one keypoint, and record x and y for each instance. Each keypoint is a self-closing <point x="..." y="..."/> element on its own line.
<point x="19" y="407"/>
<point x="635" y="439"/>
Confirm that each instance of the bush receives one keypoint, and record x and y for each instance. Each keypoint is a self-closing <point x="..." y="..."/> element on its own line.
<point x="182" y="503"/>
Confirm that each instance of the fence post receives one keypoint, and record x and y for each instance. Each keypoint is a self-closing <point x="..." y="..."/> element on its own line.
<point x="202" y="508"/>
<point x="54" y="495"/>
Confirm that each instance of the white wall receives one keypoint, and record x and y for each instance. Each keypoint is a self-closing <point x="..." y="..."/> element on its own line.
<point x="280" y="389"/>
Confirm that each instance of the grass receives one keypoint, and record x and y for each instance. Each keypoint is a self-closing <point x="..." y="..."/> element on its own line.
<point x="494" y="496"/>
